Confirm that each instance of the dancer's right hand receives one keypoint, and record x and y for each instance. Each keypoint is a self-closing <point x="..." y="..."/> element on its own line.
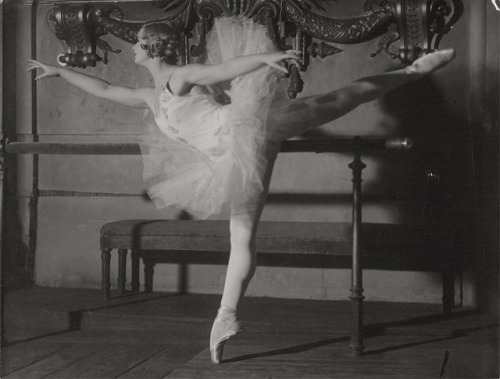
<point x="48" y="70"/>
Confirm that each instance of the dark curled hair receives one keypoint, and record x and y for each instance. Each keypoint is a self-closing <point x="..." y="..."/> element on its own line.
<point x="162" y="40"/>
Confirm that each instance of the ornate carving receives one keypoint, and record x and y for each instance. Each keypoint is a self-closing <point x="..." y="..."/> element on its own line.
<point x="420" y="26"/>
<point x="385" y="42"/>
<point x="442" y="16"/>
<point x="323" y="50"/>
<point x="346" y="31"/>
<point x="126" y="31"/>
<point x="80" y="27"/>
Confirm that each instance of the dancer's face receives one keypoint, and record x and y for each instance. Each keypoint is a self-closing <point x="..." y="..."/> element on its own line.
<point x="140" y="54"/>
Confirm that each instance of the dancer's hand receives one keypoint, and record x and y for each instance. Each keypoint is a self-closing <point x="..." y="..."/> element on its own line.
<point x="274" y="59"/>
<point x="48" y="70"/>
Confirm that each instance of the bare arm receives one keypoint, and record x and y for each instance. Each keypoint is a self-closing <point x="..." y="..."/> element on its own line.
<point x="201" y="74"/>
<point x="133" y="97"/>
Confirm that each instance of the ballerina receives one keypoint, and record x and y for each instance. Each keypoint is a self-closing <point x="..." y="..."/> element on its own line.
<point x="210" y="156"/>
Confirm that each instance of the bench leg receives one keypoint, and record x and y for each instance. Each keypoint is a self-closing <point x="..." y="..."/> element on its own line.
<point x="135" y="270"/>
<point x="149" y="269"/>
<point x="122" y="269"/>
<point x="448" y="290"/>
<point x="105" y="267"/>
<point x="356" y="344"/>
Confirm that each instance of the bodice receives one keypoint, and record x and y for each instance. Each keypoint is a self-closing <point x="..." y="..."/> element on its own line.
<point x="194" y="119"/>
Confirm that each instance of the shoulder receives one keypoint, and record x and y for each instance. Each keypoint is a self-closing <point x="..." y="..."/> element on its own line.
<point x="184" y="78"/>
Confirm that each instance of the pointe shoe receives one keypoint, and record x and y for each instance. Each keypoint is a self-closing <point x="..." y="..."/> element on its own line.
<point x="221" y="332"/>
<point x="431" y="62"/>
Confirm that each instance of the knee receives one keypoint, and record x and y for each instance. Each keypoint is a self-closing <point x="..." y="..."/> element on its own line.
<point x="243" y="245"/>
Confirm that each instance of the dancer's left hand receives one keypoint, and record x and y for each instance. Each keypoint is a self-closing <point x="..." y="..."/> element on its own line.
<point x="274" y="59"/>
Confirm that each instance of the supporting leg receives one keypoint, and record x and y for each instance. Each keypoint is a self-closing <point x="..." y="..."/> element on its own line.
<point x="242" y="264"/>
<point x="356" y="297"/>
<point x="135" y="256"/>
<point x="105" y="266"/>
<point x="243" y="225"/>
<point x="122" y="270"/>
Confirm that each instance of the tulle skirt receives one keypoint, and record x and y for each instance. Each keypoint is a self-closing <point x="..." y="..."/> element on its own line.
<point x="231" y="174"/>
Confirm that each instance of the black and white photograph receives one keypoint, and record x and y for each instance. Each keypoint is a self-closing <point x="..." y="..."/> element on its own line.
<point x="249" y="189"/>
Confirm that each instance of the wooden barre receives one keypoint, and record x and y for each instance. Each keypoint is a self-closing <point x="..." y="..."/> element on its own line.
<point x="290" y="146"/>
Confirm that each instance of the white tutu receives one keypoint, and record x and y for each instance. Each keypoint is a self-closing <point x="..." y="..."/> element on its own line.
<point x="204" y="156"/>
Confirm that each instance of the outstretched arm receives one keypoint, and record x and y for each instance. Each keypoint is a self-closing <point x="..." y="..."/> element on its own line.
<point x="204" y="74"/>
<point x="133" y="97"/>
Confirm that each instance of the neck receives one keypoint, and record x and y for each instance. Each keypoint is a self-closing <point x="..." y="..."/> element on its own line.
<point x="159" y="70"/>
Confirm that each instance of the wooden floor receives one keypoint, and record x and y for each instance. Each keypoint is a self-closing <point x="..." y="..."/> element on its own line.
<point x="72" y="333"/>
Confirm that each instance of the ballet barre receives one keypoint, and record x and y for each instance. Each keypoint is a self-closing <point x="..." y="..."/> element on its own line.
<point x="355" y="145"/>
<point x="291" y="146"/>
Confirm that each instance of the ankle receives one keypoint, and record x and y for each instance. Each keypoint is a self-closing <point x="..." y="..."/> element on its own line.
<point x="412" y="71"/>
<point x="227" y="314"/>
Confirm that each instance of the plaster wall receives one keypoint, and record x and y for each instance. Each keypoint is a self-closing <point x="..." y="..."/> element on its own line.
<point x="81" y="193"/>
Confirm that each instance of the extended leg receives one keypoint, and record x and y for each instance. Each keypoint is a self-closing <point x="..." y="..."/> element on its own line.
<point x="316" y="110"/>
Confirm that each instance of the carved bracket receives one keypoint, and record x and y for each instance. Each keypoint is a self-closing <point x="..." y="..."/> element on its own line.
<point x="79" y="27"/>
<point x="418" y="24"/>
<point x="420" y="27"/>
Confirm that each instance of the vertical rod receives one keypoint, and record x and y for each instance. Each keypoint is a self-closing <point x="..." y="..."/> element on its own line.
<point x="448" y="286"/>
<point x="106" y="261"/>
<point x="2" y="284"/>
<point x="149" y="269"/>
<point x="135" y="257"/>
<point x="122" y="270"/>
<point x="33" y="203"/>
<point x="356" y="344"/>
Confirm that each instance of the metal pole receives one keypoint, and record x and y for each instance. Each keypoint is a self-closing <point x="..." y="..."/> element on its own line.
<point x="291" y="146"/>
<point x="2" y="284"/>
<point x="356" y="344"/>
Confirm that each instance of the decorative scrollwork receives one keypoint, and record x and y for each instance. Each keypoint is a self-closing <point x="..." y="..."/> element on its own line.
<point x="73" y="26"/>
<point x="345" y="31"/>
<point x="418" y="24"/>
<point x="421" y="26"/>
<point x="323" y="50"/>
<point x="385" y="42"/>
<point x="442" y="16"/>
<point x="79" y="28"/>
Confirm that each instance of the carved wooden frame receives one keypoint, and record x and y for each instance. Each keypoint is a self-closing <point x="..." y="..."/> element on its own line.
<point x="418" y="25"/>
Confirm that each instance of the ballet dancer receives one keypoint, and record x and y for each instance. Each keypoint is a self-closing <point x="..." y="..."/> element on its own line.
<point x="212" y="156"/>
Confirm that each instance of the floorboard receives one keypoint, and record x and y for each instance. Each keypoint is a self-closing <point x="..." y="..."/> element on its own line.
<point x="166" y="336"/>
<point x="23" y="355"/>
<point x="109" y="361"/>
<point x="55" y="361"/>
<point x="164" y="362"/>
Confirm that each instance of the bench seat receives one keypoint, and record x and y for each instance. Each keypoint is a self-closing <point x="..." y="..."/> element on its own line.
<point x="383" y="246"/>
<point x="272" y="237"/>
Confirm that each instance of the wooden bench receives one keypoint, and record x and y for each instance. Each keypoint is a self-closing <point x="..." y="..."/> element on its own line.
<point x="383" y="246"/>
<point x="324" y="244"/>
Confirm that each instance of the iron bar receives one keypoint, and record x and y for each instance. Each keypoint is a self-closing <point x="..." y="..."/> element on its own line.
<point x="356" y="344"/>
